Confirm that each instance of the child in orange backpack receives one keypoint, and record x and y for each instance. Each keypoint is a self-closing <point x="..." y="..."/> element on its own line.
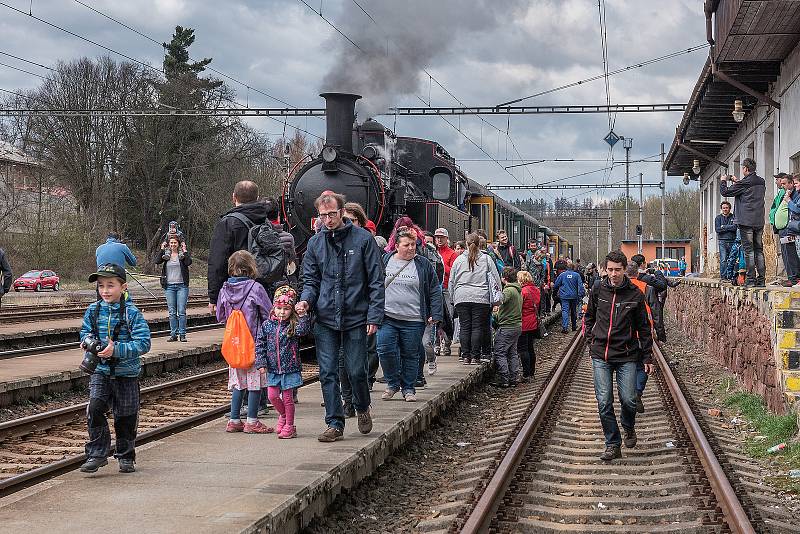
<point x="242" y="292"/>
<point x="277" y="356"/>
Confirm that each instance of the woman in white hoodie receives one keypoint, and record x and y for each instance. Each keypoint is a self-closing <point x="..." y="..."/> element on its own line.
<point x="471" y="275"/>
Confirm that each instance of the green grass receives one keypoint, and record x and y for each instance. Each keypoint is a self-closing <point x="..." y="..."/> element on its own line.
<point x="775" y="429"/>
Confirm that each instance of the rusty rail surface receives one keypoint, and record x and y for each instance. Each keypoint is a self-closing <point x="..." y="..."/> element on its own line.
<point x="486" y="506"/>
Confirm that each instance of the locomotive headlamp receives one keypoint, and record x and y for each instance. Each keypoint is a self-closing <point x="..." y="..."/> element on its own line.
<point x="329" y="154"/>
<point x="369" y="152"/>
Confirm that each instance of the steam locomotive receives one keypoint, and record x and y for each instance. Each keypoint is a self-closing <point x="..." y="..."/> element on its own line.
<point x="391" y="175"/>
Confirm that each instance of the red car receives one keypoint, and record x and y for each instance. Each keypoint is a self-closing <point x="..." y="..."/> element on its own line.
<point x="37" y="280"/>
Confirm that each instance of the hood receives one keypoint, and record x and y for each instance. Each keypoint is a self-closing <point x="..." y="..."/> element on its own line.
<point x="514" y="284"/>
<point x="255" y="211"/>
<point x="238" y="290"/>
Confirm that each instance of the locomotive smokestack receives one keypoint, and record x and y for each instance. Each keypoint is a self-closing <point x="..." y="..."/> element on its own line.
<point x="340" y="112"/>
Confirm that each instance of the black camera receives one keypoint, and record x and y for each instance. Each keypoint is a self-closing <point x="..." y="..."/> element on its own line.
<point x="92" y="345"/>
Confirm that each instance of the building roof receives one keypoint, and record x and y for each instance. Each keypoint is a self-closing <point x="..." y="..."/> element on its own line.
<point x="12" y="154"/>
<point x="751" y="38"/>
<point x="676" y="240"/>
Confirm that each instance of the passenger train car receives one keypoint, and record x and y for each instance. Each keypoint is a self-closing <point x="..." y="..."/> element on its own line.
<point x="391" y="175"/>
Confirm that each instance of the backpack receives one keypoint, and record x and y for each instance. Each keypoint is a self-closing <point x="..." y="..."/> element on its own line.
<point x="782" y="216"/>
<point x="265" y="245"/>
<point x="498" y="261"/>
<point x="238" y="345"/>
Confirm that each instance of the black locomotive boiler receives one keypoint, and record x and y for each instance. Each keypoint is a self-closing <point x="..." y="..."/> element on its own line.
<point x="390" y="176"/>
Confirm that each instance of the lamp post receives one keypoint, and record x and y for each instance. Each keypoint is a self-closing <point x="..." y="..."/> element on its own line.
<point x="627" y="144"/>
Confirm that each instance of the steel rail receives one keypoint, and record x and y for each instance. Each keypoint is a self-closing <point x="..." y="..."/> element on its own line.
<point x="491" y="498"/>
<point x="732" y="509"/>
<point x="70" y="413"/>
<point x="28" y="351"/>
<point x="72" y="311"/>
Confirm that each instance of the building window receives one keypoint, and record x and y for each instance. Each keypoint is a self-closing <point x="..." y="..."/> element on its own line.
<point x="441" y="185"/>
<point x="795" y="163"/>
<point x="674" y="253"/>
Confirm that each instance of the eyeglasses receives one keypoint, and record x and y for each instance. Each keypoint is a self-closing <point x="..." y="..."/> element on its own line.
<point x="329" y="215"/>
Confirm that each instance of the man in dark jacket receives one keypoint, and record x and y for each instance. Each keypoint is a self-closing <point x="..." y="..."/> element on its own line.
<point x="5" y="274"/>
<point x="749" y="216"/>
<point x="343" y="284"/>
<point x="230" y="234"/>
<point x="569" y="286"/>
<point x="615" y="314"/>
<point x="508" y="252"/>
<point x="726" y="235"/>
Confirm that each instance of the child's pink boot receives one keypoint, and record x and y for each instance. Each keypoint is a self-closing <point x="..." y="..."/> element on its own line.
<point x="281" y="424"/>
<point x="288" y="432"/>
<point x="234" y="427"/>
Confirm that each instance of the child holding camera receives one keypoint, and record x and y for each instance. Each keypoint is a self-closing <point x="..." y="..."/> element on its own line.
<point x="114" y="335"/>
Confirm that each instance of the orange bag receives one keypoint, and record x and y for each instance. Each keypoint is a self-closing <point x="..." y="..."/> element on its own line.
<point x="238" y="345"/>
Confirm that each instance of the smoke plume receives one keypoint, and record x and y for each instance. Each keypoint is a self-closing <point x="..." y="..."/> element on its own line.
<point x="416" y="33"/>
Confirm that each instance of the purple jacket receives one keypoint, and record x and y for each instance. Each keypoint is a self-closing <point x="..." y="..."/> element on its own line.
<point x="247" y="295"/>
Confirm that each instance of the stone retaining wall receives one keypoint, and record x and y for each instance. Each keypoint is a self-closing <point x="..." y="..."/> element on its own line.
<point x="735" y="327"/>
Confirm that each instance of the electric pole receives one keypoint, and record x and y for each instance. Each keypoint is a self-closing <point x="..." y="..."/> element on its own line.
<point x="640" y="229"/>
<point x="663" y="194"/>
<point x="627" y="144"/>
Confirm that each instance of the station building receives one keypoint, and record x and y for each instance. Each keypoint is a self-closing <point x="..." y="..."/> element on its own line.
<point x="745" y="104"/>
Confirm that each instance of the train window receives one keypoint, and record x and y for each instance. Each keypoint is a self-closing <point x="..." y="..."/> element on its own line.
<point x="441" y="185"/>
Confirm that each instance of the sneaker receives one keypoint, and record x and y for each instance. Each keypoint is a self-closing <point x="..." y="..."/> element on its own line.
<point x="486" y="359"/>
<point x="629" y="437"/>
<point x="639" y="404"/>
<point x="93" y="464"/>
<point x="172" y="338"/>
<point x="420" y="384"/>
<point x="389" y="393"/>
<point x="365" y="422"/>
<point x="281" y="423"/>
<point x="234" y="426"/>
<point x="288" y="432"/>
<point x="263" y="412"/>
<point x="432" y="368"/>
<point x="183" y="339"/>
<point x="500" y="384"/>
<point x="257" y="428"/>
<point x="126" y="465"/>
<point x="410" y="397"/>
<point x="349" y="411"/>
<point x="466" y="361"/>
<point x="612" y="452"/>
<point x="331" y="434"/>
<point x="474" y="362"/>
<point x="564" y="331"/>
<point x="381" y="380"/>
<point x="446" y="351"/>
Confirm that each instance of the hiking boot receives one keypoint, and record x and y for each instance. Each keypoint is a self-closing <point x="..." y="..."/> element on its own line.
<point x="234" y="427"/>
<point x="432" y="368"/>
<point x="629" y="437"/>
<point x="639" y="404"/>
<point x="170" y="339"/>
<point x="365" y="422"/>
<point x="257" y="428"/>
<point x="349" y="411"/>
<point x="183" y="339"/>
<point x="288" y="432"/>
<point x="93" y="464"/>
<point x="410" y="397"/>
<point x="611" y="452"/>
<point x="331" y="434"/>
<point x="126" y="465"/>
<point x="389" y="393"/>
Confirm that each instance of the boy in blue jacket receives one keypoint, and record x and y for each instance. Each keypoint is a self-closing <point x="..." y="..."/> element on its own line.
<point x="570" y="290"/>
<point x="114" y="382"/>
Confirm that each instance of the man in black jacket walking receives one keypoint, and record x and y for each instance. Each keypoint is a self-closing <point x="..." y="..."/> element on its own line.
<point x="230" y="234"/>
<point x="619" y="336"/>
<point x="5" y="274"/>
<point x="749" y="216"/>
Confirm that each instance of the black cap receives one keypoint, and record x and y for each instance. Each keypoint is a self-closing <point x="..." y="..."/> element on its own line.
<point x="107" y="271"/>
<point x="781" y="175"/>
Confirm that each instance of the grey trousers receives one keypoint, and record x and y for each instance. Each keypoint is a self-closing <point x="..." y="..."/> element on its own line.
<point x="506" y="357"/>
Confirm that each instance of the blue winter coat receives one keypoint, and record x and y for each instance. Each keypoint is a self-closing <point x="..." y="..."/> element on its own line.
<point x="131" y="343"/>
<point x="343" y="278"/>
<point x="569" y="285"/>
<point x="275" y="350"/>
<point x="430" y="291"/>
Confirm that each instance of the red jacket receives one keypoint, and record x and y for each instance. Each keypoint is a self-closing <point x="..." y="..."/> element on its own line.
<point x="530" y="307"/>
<point x="448" y="257"/>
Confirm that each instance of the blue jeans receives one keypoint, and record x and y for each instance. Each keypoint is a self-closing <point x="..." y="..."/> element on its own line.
<point x="398" y="349"/>
<point x="177" y="297"/>
<point x="724" y="252"/>
<point x="237" y="399"/>
<point x="626" y="389"/>
<point x="569" y="311"/>
<point x="641" y="378"/>
<point x="352" y="344"/>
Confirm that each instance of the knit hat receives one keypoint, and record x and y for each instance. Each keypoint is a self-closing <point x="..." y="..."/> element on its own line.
<point x="285" y="296"/>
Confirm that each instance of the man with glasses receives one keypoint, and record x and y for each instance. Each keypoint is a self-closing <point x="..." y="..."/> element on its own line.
<point x="343" y="284"/>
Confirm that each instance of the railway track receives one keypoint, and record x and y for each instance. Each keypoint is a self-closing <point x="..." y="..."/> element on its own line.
<point x="21" y="314"/>
<point x="550" y="479"/>
<point x="42" y="446"/>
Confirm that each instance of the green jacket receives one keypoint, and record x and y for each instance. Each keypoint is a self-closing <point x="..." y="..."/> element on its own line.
<point x="775" y="204"/>
<point x="510" y="313"/>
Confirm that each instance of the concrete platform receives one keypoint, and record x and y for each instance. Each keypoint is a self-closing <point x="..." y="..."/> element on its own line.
<point x="206" y="481"/>
<point x="29" y="377"/>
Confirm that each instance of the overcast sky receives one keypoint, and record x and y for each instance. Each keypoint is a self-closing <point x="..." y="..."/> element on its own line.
<point x="483" y="51"/>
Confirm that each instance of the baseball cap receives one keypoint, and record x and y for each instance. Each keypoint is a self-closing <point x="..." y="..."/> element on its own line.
<point x="109" y="270"/>
<point x="441" y="232"/>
